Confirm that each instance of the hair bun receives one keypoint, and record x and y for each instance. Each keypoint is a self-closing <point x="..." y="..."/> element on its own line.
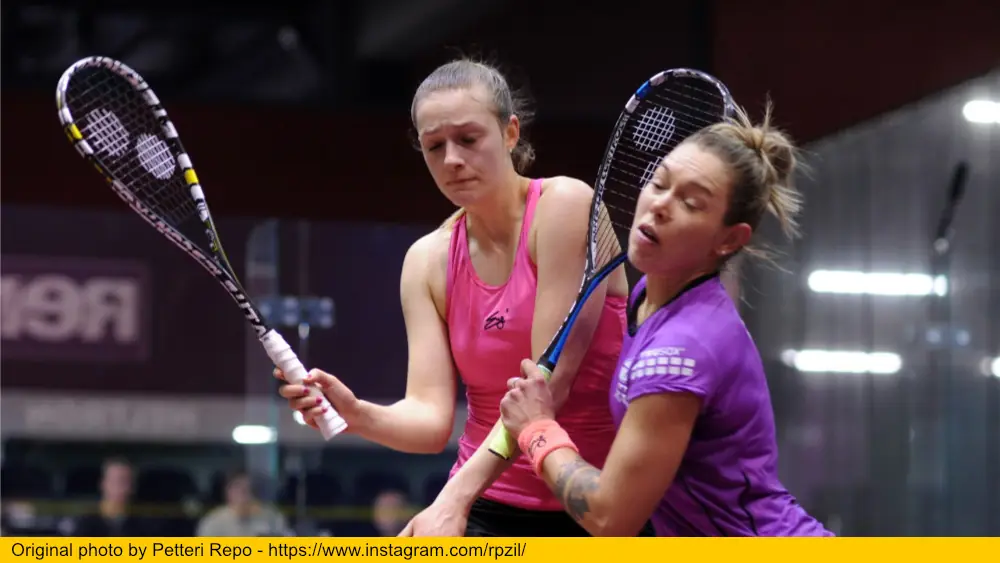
<point x="778" y="155"/>
<point x="763" y="160"/>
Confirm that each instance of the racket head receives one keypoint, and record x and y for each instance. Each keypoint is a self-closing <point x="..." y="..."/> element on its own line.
<point x="116" y="122"/>
<point x="664" y="110"/>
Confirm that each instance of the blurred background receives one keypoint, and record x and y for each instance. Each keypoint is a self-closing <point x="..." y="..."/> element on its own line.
<point x="129" y="379"/>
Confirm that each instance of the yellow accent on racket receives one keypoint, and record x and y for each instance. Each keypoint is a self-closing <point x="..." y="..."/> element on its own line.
<point x="503" y="444"/>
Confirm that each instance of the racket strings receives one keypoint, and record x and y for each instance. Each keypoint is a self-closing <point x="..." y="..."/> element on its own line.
<point x="607" y="242"/>
<point x="660" y="129"/>
<point x="665" y="117"/>
<point x="127" y="139"/>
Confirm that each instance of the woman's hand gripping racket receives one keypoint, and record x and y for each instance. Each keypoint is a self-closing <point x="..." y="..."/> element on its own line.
<point x="116" y="122"/>
<point x="662" y="113"/>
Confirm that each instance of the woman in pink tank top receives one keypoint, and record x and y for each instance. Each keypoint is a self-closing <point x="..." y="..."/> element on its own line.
<point x="489" y="287"/>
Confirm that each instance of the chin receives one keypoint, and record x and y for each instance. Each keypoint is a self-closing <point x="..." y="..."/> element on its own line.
<point x="651" y="261"/>
<point x="639" y="260"/>
<point x="461" y="197"/>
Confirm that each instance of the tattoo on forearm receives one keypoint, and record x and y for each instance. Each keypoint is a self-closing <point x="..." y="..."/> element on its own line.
<point x="575" y="481"/>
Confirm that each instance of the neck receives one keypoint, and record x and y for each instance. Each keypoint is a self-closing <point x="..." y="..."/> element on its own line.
<point x="112" y="508"/>
<point x="497" y="221"/>
<point x="660" y="290"/>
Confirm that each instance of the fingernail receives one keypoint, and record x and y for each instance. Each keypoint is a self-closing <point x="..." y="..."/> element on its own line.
<point x="323" y="410"/>
<point x="319" y="401"/>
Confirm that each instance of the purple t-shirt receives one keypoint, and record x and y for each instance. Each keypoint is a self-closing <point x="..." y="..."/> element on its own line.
<point x="727" y="483"/>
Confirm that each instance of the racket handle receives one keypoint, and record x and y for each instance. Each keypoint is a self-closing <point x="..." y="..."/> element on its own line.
<point x="503" y="444"/>
<point x="282" y="355"/>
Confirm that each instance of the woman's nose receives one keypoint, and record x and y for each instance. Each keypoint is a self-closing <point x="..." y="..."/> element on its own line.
<point x="660" y="205"/>
<point x="452" y="157"/>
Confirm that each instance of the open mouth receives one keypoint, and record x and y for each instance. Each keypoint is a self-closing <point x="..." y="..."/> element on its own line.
<point x="647" y="231"/>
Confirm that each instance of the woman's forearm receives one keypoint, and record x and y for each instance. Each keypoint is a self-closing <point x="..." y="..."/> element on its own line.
<point x="475" y="476"/>
<point x="407" y="425"/>
<point x="576" y="484"/>
<point x="482" y="468"/>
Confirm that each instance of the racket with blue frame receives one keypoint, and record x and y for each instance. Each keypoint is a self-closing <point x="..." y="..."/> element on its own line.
<point x="664" y="111"/>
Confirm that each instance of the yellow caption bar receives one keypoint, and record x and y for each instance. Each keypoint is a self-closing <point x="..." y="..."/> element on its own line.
<point x="604" y="550"/>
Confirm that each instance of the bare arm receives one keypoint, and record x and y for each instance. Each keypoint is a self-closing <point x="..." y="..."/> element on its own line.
<point x="618" y="500"/>
<point x="561" y="235"/>
<point x="422" y="421"/>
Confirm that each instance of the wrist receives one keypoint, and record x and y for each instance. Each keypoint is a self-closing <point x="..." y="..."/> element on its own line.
<point x="455" y="499"/>
<point x="457" y="494"/>
<point x="366" y="414"/>
<point x="532" y="431"/>
<point x="542" y="437"/>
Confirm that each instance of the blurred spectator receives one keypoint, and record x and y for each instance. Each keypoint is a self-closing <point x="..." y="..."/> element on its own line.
<point x="242" y="515"/>
<point x="20" y="516"/>
<point x="390" y="512"/>
<point x="114" y="517"/>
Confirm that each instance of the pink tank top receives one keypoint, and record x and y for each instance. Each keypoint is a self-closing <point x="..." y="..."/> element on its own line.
<point x="490" y="333"/>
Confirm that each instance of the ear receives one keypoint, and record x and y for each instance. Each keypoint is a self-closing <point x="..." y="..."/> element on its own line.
<point x="512" y="132"/>
<point x="736" y="237"/>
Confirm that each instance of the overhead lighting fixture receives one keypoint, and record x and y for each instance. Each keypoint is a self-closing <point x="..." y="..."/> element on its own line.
<point x="995" y="366"/>
<point x="982" y="111"/>
<point x="254" y="434"/>
<point x="875" y="283"/>
<point x="842" y="361"/>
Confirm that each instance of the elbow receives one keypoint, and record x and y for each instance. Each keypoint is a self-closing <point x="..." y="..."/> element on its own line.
<point x="436" y="440"/>
<point x="419" y="427"/>
<point x="429" y="445"/>
<point x="439" y="442"/>
<point x="610" y="525"/>
<point x="440" y="433"/>
<point x="612" y="529"/>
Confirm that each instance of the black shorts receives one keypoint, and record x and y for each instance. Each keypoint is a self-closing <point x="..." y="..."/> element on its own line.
<point x="493" y="519"/>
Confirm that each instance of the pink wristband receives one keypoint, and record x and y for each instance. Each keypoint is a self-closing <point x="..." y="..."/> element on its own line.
<point x="542" y="437"/>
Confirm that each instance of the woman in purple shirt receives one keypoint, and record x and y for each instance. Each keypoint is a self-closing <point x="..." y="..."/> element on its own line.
<point x="695" y="447"/>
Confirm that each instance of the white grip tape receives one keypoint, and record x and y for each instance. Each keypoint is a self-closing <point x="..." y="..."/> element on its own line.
<point x="282" y="355"/>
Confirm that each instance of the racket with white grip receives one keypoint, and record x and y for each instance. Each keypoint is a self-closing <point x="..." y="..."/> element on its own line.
<point x="116" y="122"/>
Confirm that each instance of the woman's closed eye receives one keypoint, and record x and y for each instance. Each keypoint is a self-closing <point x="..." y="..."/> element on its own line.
<point x="465" y="141"/>
<point x="690" y="202"/>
